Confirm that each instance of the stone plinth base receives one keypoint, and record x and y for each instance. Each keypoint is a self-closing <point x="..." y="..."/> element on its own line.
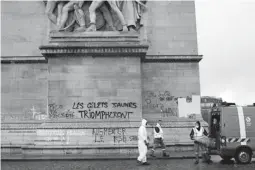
<point x="87" y="134"/>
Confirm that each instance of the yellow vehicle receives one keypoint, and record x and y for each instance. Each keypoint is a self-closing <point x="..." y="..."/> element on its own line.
<point x="236" y="133"/>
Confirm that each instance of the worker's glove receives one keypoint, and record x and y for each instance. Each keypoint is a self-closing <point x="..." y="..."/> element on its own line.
<point x="146" y="143"/>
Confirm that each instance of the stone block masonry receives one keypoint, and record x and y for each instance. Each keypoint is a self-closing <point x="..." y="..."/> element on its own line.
<point x="175" y="35"/>
<point x="24" y="88"/>
<point x="96" y="88"/>
<point x="164" y="84"/>
<point x="89" y="134"/>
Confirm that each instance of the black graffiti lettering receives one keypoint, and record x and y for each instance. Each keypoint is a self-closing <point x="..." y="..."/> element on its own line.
<point x="105" y="104"/>
<point x="121" y="105"/>
<point x="104" y="115"/>
<point x="54" y="110"/>
<point x="78" y="105"/>
<point x="110" y="115"/>
<point x="133" y="138"/>
<point x="119" y="139"/>
<point x="89" y="105"/>
<point x="84" y="113"/>
<point x="169" y="112"/>
<point x="148" y="101"/>
<point x="119" y="115"/>
<point x="67" y="114"/>
<point x="108" y="131"/>
<point x="125" y="115"/>
<point x="173" y="112"/>
<point x="123" y="130"/>
<point x="98" y="114"/>
<point x="114" y="105"/>
<point x="99" y="139"/>
<point x="93" y="131"/>
<point x="126" y="105"/>
<point x="101" y="132"/>
<point x="97" y="105"/>
<point x="161" y="98"/>
<point x="74" y="106"/>
<point x="119" y="131"/>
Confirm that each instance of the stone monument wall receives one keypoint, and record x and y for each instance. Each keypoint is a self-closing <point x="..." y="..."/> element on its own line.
<point x="89" y="100"/>
<point x="24" y="87"/>
<point x="170" y="28"/>
<point x="24" y="28"/>
<point x="164" y="84"/>
<point x="95" y="88"/>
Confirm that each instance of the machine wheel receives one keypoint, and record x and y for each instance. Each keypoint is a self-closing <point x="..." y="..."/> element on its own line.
<point x="243" y="156"/>
<point x="226" y="158"/>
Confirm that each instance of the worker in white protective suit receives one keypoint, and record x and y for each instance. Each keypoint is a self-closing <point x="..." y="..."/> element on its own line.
<point x="142" y="143"/>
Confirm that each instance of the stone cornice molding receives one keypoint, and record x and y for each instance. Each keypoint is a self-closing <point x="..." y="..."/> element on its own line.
<point x="94" y="50"/>
<point x="173" y="58"/>
<point x="22" y="59"/>
<point x="92" y="37"/>
<point x="94" y="44"/>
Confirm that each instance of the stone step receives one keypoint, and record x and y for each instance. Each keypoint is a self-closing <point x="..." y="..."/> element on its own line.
<point x="158" y="154"/>
<point x="84" y="150"/>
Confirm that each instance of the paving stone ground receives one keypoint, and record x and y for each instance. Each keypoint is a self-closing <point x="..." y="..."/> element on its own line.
<point x="162" y="164"/>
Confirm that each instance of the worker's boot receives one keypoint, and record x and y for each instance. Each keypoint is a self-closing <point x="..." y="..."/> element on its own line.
<point x="203" y="157"/>
<point x="207" y="158"/>
<point x="197" y="159"/>
<point x="165" y="154"/>
<point x="152" y="153"/>
<point x="145" y="163"/>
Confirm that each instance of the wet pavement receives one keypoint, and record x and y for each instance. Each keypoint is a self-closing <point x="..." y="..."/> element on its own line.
<point x="171" y="164"/>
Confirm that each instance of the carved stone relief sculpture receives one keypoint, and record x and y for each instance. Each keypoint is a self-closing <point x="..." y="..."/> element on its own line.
<point x="97" y="15"/>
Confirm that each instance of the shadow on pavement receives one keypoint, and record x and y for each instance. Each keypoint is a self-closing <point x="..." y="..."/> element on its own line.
<point x="227" y="162"/>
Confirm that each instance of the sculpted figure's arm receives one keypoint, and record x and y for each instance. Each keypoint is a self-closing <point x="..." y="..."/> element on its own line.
<point x="60" y="8"/>
<point x="142" y="3"/>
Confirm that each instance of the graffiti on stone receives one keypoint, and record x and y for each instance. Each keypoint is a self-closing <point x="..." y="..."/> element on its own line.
<point x="116" y="135"/>
<point x="133" y="138"/>
<point x="94" y="110"/>
<point x="36" y="115"/>
<point x="88" y="114"/>
<point x="163" y="102"/>
<point x="55" y="111"/>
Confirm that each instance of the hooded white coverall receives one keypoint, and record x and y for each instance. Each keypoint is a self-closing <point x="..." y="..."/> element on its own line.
<point x="142" y="138"/>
